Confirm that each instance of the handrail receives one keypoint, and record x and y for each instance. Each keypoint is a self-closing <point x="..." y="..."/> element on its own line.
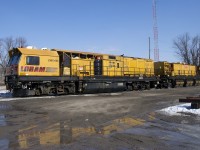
<point x="88" y="70"/>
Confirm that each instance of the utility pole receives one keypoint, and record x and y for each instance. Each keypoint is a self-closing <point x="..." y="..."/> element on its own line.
<point x="155" y="31"/>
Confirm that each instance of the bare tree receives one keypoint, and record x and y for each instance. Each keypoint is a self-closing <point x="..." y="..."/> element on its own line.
<point x="7" y="44"/>
<point x="20" y="42"/>
<point x="188" y="48"/>
<point x="2" y="54"/>
<point x="2" y="63"/>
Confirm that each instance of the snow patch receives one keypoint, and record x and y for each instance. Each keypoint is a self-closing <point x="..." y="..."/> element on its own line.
<point x="2" y="87"/>
<point x="5" y="93"/>
<point x="179" y="110"/>
<point x="25" y="98"/>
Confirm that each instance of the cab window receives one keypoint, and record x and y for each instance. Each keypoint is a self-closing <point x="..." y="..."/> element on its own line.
<point x="32" y="60"/>
<point x="14" y="60"/>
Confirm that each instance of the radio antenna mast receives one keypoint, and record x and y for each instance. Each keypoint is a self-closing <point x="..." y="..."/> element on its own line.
<point x="155" y="31"/>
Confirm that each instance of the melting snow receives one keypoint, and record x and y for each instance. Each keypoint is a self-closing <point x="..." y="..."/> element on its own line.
<point x="178" y="109"/>
<point x="24" y="98"/>
<point x="2" y="87"/>
<point x="4" y="93"/>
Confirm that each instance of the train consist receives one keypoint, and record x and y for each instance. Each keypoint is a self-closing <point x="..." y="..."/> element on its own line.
<point x="43" y="72"/>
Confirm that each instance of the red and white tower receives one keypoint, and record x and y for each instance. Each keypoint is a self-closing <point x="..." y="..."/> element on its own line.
<point x="155" y="31"/>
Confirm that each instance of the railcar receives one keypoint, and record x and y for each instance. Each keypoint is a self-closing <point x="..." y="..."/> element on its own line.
<point x="43" y="72"/>
<point x="176" y="74"/>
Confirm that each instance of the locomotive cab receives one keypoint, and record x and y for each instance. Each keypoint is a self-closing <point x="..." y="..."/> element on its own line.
<point x="12" y="68"/>
<point x="27" y="68"/>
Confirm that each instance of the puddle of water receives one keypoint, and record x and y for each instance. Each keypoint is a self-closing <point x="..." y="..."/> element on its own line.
<point x="4" y="143"/>
<point x="62" y="133"/>
<point x="2" y="120"/>
<point x="5" y="107"/>
<point x="170" y="135"/>
<point x="56" y="134"/>
<point x="120" y="124"/>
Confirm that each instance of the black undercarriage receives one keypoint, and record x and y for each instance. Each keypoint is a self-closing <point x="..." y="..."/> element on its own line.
<point x="22" y="86"/>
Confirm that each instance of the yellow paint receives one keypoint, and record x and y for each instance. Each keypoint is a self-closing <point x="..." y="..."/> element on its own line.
<point x="82" y="67"/>
<point x="48" y="62"/>
<point x="110" y="129"/>
<point x="130" y="121"/>
<point x="121" y="124"/>
<point x="78" y="131"/>
<point x="51" y="135"/>
<point x="174" y="69"/>
<point x="51" y="65"/>
<point x="182" y="69"/>
<point x="112" y="68"/>
<point x="138" y="67"/>
<point x="151" y="116"/>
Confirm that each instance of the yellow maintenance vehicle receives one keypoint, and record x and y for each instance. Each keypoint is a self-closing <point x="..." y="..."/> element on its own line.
<point x="54" y="71"/>
<point x="176" y="74"/>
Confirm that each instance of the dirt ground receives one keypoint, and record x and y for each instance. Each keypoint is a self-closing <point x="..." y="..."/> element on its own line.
<point x="112" y="121"/>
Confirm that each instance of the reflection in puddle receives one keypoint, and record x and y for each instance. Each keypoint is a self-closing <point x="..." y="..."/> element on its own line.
<point x="61" y="133"/>
<point x="55" y="134"/>
<point x="121" y="124"/>
<point x="2" y="120"/>
<point x="5" y="107"/>
<point x="4" y="144"/>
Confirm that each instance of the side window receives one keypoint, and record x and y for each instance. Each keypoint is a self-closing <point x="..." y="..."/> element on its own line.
<point x="14" y="60"/>
<point x="32" y="60"/>
<point x="112" y="57"/>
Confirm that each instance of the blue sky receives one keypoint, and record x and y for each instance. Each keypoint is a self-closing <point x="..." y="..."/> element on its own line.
<point x="103" y="26"/>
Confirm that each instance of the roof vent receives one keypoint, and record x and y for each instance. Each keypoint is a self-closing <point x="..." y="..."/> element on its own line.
<point x="44" y="48"/>
<point x="31" y="47"/>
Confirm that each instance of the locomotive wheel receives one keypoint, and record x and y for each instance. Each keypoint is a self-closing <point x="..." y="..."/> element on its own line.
<point x="15" y="93"/>
<point x="37" y="92"/>
<point x="130" y="88"/>
<point x="169" y="85"/>
<point x="148" y="86"/>
<point x="66" y="91"/>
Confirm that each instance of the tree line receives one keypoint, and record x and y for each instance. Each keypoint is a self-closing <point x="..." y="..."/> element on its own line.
<point x="188" y="48"/>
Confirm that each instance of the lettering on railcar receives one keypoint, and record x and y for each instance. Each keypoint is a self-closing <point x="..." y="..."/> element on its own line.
<point x="52" y="60"/>
<point x="37" y="69"/>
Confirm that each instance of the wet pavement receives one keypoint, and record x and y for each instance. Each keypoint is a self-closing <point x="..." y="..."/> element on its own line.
<point x="46" y="135"/>
<point x="26" y="124"/>
<point x="2" y="120"/>
<point x="62" y="133"/>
